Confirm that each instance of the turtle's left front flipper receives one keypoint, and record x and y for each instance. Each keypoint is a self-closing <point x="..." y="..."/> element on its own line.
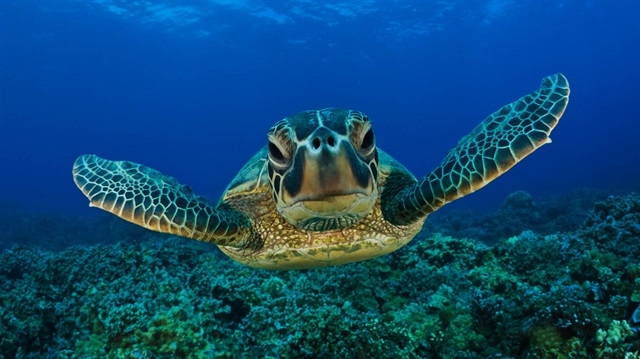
<point x="148" y="198"/>
<point x="496" y="145"/>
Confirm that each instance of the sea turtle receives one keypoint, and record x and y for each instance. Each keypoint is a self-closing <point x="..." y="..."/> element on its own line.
<point x="321" y="193"/>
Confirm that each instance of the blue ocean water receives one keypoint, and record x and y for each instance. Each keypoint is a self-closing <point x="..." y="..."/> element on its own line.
<point x="191" y="88"/>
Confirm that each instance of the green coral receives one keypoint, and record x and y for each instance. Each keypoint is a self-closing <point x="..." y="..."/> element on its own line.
<point x="607" y="342"/>
<point x="564" y="295"/>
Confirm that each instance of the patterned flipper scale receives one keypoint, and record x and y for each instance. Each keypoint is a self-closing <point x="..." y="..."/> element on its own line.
<point x="492" y="148"/>
<point x="148" y="198"/>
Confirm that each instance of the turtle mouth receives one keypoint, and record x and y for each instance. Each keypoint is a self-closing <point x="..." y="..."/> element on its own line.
<point x="331" y="198"/>
<point x="329" y="212"/>
<point x="332" y="205"/>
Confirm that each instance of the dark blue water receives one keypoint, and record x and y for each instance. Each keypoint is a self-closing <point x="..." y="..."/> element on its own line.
<point x="191" y="87"/>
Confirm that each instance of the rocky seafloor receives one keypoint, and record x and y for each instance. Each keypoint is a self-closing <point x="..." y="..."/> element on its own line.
<point x="555" y="279"/>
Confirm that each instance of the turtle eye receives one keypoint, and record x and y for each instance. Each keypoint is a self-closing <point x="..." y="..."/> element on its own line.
<point x="275" y="152"/>
<point x="276" y="155"/>
<point x="367" y="140"/>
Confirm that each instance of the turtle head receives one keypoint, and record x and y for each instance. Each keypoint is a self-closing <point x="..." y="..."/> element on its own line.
<point x="323" y="168"/>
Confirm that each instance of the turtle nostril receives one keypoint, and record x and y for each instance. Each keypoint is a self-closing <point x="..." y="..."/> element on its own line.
<point x="316" y="143"/>
<point x="331" y="141"/>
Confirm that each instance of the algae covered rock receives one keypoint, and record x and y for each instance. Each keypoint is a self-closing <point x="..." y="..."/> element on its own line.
<point x="561" y="295"/>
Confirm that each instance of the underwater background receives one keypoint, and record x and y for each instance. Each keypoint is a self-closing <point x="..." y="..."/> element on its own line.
<point x="542" y="263"/>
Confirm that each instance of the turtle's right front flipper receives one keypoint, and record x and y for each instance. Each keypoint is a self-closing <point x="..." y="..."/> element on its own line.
<point x="148" y="198"/>
<point x="492" y="148"/>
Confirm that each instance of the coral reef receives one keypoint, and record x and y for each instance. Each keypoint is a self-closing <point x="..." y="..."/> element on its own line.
<point x="519" y="212"/>
<point x="531" y="295"/>
<point x="55" y="232"/>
